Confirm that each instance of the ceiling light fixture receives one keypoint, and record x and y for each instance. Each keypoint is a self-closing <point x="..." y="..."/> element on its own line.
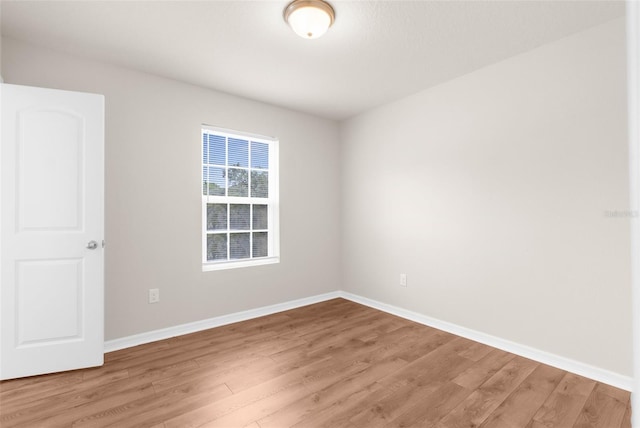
<point x="309" y="18"/>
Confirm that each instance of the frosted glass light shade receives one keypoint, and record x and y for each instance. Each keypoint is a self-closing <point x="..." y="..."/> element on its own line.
<point x="309" y="19"/>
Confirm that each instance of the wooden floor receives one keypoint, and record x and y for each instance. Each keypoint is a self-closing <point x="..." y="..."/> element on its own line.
<point x="333" y="364"/>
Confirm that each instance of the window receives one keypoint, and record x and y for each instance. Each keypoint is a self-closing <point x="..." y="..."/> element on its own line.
<point x="239" y="199"/>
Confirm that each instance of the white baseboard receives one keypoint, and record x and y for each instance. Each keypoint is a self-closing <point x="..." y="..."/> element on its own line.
<point x="166" y="333"/>
<point x="582" y="369"/>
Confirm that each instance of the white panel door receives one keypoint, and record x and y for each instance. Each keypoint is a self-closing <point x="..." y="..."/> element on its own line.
<point x="51" y="230"/>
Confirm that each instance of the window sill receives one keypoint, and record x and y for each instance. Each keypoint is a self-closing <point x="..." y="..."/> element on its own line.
<point x="207" y="267"/>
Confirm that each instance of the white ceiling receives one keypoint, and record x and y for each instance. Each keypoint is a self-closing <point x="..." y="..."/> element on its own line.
<point x="375" y="52"/>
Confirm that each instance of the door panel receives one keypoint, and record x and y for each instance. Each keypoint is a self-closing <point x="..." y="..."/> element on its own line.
<point x="35" y="295"/>
<point x="48" y="173"/>
<point x="51" y="206"/>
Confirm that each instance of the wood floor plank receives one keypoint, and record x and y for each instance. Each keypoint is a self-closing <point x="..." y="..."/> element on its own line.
<point x="339" y="413"/>
<point x="612" y="392"/>
<point x="157" y="408"/>
<point x="486" y="367"/>
<point x="565" y="403"/>
<point x="390" y="406"/>
<point x="257" y="409"/>
<point x="479" y="405"/>
<point x="285" y="387"/>
<point x="433" y="408"/>
<point x="383" y="359"/>
<point x="75" y="395"/>
<point x="228" y="368"/>
<point x="520" y="406"/>
<point x="626" y="419"/>
<point x="86" y="410"/>
<point x="601" y="411"/>
<point x="441" y="363"/>
<point x="50" y="384"/>
<point x="412" y="383"/>
<point x="422" y="344"/>
<point x="332" y="364"/>
<point x="475" y="351"/>
<point x="326" y="391"/>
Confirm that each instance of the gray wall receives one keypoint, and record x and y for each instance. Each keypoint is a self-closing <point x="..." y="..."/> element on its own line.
<point x="492" y="193"/>
<point x="153" y="203"/>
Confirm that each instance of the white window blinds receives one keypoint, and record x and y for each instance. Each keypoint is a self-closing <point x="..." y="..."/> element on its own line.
<point x="239" y="191"/>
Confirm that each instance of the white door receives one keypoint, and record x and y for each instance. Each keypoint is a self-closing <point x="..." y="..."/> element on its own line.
<point x="51" y="230"/>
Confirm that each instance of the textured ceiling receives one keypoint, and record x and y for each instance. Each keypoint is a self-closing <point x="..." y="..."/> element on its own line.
<point x="376" y="52"/>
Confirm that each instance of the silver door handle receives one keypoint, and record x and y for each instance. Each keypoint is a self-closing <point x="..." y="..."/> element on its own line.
<point x="92" y="245"/>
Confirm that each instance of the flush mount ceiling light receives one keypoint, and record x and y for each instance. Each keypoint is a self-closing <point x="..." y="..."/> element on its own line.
<point x="309" y="18"/>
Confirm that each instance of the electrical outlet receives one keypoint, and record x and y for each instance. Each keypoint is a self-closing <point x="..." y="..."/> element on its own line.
<point x="154" y="295"/>
<point x="403" y="279"/>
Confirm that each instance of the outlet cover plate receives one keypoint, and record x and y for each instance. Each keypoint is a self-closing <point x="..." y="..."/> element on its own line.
<point x="154" y="295"/>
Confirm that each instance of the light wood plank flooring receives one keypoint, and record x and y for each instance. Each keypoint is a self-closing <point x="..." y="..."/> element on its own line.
<point x="332" y="364"/>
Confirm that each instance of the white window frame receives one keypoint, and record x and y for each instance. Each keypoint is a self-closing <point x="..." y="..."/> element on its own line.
<point x="272" y="202"/>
